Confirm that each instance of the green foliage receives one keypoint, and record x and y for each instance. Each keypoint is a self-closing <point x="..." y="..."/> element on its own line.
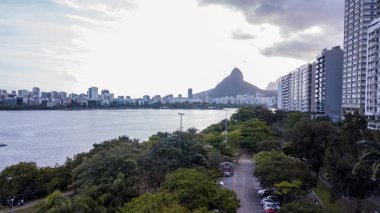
<point x="308" y="140"/>
<point x="275" y="167"/>
<point x="197" y="190"/>
<point x="108" y="176"/>
<point x="55" y="202"/>
<point x="286" y="188"/>
<point x="353" y="126"/>
<point x="258" y="112"/>
<point x="268" y="145"/>
<point x="171" y="153"/>
<point x="293" y="117"/>
<point x="303" y="206"/>
<point x="370" y="156"/>
<point x="253" y="131"/>
<point x="18" y="179"/>
<point x="162" y="202"/>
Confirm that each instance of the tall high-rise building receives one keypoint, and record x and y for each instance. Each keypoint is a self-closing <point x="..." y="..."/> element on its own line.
<point x="190" y="93"/>
<point x="296" y="89"/>
<point x="372" y="102"/>
<point x="36" y="92"/>
<point x="286" y="84"/>
<point x="357" y="16"/>
<point x="93" y="93"/>
<point x="328" y="83"/>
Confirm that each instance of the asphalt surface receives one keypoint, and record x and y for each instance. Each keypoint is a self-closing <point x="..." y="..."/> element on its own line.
<point x="245" y="185"/>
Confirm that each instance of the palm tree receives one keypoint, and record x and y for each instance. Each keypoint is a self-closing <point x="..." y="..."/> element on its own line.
<point x="370" y="156"/>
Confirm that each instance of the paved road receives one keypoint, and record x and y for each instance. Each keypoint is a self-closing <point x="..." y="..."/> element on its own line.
<point x="245" y="185"/>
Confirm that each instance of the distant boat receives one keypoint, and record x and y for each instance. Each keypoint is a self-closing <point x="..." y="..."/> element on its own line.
<point x="1" y="144"/>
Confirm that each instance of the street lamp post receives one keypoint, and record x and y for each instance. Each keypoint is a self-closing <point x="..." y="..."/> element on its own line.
<point x="180" y="124"/>
<point x="226" y="125"/>
<point x="180" y="127"/>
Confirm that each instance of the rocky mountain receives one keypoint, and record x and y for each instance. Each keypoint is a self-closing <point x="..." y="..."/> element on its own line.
<point x="233" y="85"/>
<point x="273" y="85"/>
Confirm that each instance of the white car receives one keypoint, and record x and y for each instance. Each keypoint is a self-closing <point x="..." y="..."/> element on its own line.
<point x="271" y="206"/>
<point x="262" y="191"/>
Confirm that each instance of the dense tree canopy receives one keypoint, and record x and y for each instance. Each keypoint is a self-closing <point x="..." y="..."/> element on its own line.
<point x="197" y="190"/>
<point x="275" y="167"/>
<point x="303" y="206"/>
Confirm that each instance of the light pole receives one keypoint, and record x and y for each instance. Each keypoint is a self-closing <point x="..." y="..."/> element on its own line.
<point x="180" y="127"/>
<point x="180" y="124"/>
<point x="226" y="125"/>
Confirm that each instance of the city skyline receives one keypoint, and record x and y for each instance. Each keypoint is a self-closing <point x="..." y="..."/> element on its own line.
<point x="127" y="45"/>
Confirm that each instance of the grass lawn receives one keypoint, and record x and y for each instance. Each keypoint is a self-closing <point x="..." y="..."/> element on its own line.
<point x="323" y="192"/>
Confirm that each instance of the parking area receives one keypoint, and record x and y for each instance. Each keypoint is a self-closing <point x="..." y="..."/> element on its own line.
<point x="245" y="185"/>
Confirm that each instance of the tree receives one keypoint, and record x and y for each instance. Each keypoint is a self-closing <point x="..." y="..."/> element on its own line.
<point x="268" y="145"/>
<point x="55" y="202"/>
<point x="304" y="206"/>
<point x="109" y="176"/>
<point x="293" y="118"/>
<point x="259" y="112"/>
<point x="275" y="167"/>
<point x="308" y="141"/>
<point x="370" y="156"/>
<point x="197" y="190"/>
<point x="21" y="178"/>
<point x="353" y="126"/>
<point x="162" y="202"/>
<point x="252" y="132"/>
<point x="286" y="188"/>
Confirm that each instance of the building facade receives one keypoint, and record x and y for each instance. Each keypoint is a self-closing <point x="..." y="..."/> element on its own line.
<point x="358" y="15"/>
<point x="190" y="93"/>
<point x="372" y="101"/>
<point x="93" y="93"/>
<point x="295" y="93"/>
<point x="328" y="83"/>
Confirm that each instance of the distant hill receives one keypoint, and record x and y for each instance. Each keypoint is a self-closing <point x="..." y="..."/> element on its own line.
<point x="273" y="85"/>
<point x="234" y="85"/>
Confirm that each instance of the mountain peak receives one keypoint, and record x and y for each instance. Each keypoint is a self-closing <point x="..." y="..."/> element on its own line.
<point x="234" y="85"/>
<point x="237" y="74"/>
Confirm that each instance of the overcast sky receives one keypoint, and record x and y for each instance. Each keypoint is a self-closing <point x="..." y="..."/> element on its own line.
<point x="137" y="47"/>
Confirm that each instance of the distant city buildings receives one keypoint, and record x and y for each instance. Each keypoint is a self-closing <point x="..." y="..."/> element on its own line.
<point x="92" y="98"/>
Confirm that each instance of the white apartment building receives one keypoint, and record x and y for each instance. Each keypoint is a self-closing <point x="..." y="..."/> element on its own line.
<point x="358" y="15"/>
<point x="372" y="98"/>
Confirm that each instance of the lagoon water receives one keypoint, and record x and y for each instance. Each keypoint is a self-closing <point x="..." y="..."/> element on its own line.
<point x="48" y="137"/>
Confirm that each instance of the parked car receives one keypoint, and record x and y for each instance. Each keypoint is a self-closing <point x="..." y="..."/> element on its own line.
<point x="265" y="201"/>
<point x="271" y="206"/>
<point x="227" y="168"/>
<point x="267" y="194"/>
<point x="262" y="191"/>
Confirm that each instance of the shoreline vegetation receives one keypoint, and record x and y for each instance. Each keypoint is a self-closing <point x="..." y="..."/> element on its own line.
<point x="126" y="175"/>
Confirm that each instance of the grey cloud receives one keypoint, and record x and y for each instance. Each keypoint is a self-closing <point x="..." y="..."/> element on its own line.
<point x="240" y="35"/>
<point x="293" y="17"/>
<point x="305" y="47"/>
<point x="289" y="15"/>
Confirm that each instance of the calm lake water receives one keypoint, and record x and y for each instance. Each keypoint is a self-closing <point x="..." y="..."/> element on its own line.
<point x="48" y="137"/>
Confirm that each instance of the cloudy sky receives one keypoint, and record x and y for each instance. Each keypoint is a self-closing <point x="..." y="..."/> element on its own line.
<point x="137" y="47"/>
